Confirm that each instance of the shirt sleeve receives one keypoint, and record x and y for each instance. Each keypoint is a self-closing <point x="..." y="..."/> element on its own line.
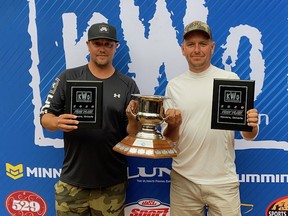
<point x="55" y="101"/>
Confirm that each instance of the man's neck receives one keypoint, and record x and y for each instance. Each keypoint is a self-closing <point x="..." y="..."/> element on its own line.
<point x="101" y="72"/>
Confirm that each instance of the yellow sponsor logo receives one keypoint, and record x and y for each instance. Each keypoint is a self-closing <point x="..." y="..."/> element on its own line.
<point x="14" y="172"/>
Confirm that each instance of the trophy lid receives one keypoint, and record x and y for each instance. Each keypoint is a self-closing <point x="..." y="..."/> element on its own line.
<point x="150" y="97"/>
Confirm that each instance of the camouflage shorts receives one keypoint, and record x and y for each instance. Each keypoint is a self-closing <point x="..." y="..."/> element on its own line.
<point x="75" y="201"/>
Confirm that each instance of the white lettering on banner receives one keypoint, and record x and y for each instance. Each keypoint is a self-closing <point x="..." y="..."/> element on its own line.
<point x="277" y="213"/>
<point x="160" y="24"/>
<point x="243" y="178"/>
<point x="257" y="63"/>
<point x="76" y="53"/>
<point x="241" y="144"/>
<point x="265" y="116"/>
<point x="39" y="138"/>
<point x="154" y="43"/>
<point x="263" y="178"/>
<point x="156" y="172"/>
<point x="39" y="172"/>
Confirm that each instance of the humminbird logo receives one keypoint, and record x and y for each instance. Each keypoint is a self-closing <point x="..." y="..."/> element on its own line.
<point x="84" y="96"/>
<point x="263" y="178"/>
<point x="16" y="172"/>
<point x="232" y="96"/>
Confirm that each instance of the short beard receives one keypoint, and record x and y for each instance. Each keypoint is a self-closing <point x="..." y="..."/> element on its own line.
<point x="100" y="65"/>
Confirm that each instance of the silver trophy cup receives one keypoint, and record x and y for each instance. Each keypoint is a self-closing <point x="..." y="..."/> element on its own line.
<point x="148" y="142"/>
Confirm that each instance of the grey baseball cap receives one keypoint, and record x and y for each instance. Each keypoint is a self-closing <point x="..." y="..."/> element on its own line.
<point x="102" y="31"/>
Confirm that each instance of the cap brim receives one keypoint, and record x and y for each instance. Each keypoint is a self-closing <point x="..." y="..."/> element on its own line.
<point x="103" y="37"/>
<point x="201" y="30"/>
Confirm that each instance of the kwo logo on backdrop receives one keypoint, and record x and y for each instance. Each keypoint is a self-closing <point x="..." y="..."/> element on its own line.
<point x="148" y="68"/>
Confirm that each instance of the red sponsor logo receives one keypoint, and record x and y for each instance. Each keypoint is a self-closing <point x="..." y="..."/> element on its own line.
<point x="278" y="207"/>
<point x="25" y="203"/>
<point x="149" y="202"/>
<point x="149" y="212"/>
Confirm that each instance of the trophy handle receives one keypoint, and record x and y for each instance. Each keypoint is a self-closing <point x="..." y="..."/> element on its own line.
<point x="173" y="107"/>
<point x="165" y="118"/>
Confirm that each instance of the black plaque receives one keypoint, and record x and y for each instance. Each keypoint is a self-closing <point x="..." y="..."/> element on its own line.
<point x="231" y="101"/>
<point x="85" y="99"/>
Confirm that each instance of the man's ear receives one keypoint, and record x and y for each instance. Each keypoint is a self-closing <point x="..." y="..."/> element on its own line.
<point x="182" y="49"/>
<point x="213" y="47"/>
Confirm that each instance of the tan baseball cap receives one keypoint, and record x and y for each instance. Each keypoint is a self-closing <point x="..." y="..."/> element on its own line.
<point x="199" y="26"/>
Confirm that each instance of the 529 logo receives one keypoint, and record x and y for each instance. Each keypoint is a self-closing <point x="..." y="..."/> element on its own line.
<point x="25" y="203"/>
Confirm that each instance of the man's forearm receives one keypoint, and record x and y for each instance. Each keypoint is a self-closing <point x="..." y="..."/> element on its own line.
<point x="172" y="133"/>
<point x="49" y="121"/>
<point x="133" y="126"/>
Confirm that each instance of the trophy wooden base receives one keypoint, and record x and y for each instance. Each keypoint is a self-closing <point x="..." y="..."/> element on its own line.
<point x="147" y="148"/>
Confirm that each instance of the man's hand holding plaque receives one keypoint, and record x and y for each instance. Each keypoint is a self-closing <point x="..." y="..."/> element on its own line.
<point x="67" y="122"/>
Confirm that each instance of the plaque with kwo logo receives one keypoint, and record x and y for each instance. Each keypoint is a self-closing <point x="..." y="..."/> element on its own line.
<point x="84" y="99"/>
<point x="231" y="101"/>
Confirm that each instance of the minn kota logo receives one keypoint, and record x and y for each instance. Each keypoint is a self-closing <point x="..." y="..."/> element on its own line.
<point x="14" y="172"/>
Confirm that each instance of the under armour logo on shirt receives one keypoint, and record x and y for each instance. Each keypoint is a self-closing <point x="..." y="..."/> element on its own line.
<point x="116" y="95"/>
